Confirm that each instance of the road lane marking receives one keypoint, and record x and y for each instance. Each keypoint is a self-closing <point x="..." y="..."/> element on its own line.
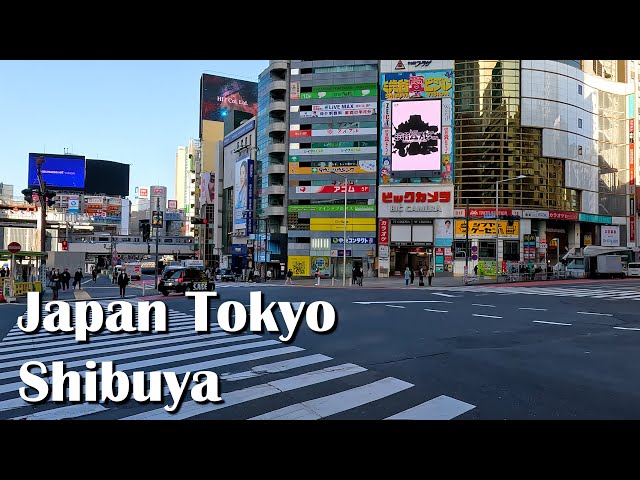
<point x="405" y="301"/>
<point x="61" y="413"/>
<point x="446" y="295"/>
<point x="483" y="305"/>
<point x="439" y="408"/>
<point x="595" y="313"/>
<point x="395" y="306"/>
<point x="552" y="323"/>
<point x="627" y="328"/>
<point x="192" y="408"/>
<point x="275" y="367"/>
<point x="531" y="308"/>
<point x="486" y="316"/>
<point x="439" y="311"/>
<point x="338" y="402"/>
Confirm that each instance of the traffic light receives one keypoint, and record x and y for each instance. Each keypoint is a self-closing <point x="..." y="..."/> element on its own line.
<point x="28" y="195"/>
<point x="50" y="197"/>
<point x="65" y="245"/>
<point x="199" y="221"/>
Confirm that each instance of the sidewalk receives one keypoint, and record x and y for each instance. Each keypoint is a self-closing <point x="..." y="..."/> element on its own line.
<point x="442" y="280"/>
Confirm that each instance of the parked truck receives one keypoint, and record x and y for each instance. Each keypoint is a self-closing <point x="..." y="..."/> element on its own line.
<point x="610" y="266"/>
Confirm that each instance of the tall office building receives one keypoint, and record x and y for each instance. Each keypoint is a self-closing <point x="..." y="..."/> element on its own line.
<point x="271" y="171"/>
<point x="182" y="178"/>
<point x="333" y="148"/>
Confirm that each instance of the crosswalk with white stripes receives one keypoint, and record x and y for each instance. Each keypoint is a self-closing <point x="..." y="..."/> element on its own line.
<point x="604" y="293"/>
<point x="257" y="377"/>
<point x="245" y="285"/>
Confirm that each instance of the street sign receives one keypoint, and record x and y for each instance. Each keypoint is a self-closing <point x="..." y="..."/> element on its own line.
<point x="14" y="247"/>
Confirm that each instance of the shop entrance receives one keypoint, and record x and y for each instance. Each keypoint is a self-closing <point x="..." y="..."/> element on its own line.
<point x="412" y="257"/>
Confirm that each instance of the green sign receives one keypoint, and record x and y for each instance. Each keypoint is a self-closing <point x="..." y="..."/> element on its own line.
<point x="331" y="208"/>
<point x="589" y="217"/>
<point x="339" y="91"/>
<point x="294" y="158"/>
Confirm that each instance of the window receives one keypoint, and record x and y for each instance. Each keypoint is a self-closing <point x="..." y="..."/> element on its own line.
<point x="579" y="123"/>
<point x="579" y="89"/>
<point x="461" y="248"/>
<point x="511" y="250"/>
<point x="487" y="250"/>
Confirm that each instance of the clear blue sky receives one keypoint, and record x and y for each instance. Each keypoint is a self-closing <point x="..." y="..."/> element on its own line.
<point x="129" y="111"/>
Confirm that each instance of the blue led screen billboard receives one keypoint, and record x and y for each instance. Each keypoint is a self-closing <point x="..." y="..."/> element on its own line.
<point x="58" y="171"/>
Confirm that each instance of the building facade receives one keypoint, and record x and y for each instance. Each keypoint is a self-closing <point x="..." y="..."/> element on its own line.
<point x="332" y="156"/>
<point x="271" y="168"/>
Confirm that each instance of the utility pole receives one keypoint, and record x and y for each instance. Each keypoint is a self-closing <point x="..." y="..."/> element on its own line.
<point x="157" y="220"/>
<point x="42" y="196"/>
<point x="467" y="250"/>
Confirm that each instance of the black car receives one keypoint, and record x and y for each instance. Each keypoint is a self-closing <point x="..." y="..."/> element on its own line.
<point x="227" y="275"/>
<point x="185" y="279"/>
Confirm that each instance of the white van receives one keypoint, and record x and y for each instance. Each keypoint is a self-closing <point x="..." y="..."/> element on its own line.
<point x="633" y="269"/>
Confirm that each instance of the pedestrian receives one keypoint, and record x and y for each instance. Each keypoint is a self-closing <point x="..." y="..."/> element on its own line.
<point x="269" y="274"/>
<point x="317" y="275"/>
<point x="407" y="276"/>
<point x="94" y="274"/>
<point x="421" y="277"/>
<point x="360" y="274"/>
<point x="65" y="279"/>
<point x="430" y="275"/>
<point x="354" y="275"/>
<point x="55" y="284"/>
<point x="123" y="281"/>
<point x="475" y="270"/>
<point x="114" y="276"/>
<point x="289" y="279"/>
<point x="77" y="278"/>
<point x="413" y="276"/>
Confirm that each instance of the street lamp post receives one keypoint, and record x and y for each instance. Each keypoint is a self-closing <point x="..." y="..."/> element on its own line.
<point x="498" y="182"/>
<point x="344" y="233"/>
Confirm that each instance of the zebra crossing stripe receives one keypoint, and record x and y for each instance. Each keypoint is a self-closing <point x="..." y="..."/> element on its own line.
<point x="439" y="408"/>
<point x="64" y="355"/>
<point x="63" y="413"/>
<point x="7" y="387"/>
<point x="275" y="367"/>
<point x="338" y="402"/>
<point x="191" y="408"/>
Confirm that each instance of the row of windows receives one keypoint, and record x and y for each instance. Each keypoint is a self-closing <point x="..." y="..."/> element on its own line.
<point x="336" y="69"/>
<point x="487" y="249"/>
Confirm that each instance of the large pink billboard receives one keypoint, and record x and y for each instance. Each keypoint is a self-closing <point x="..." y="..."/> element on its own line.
<point x="416" y="135"/>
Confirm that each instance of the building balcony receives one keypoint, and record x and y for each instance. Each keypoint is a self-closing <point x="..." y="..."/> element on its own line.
<point x="278" y="85"/>
<point x="276" y="127"/>
<point x="279" y="105"/>
<point x="276" y="190"/>
<point x="273" y="211"/>
<point x="276" y="168"/>
<point x="277" y="148"/>
<point x="278" y="65"/>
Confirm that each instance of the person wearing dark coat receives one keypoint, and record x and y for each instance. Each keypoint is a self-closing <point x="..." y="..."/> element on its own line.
<point x="123" y="281"/>
<point x="77" y="278"/>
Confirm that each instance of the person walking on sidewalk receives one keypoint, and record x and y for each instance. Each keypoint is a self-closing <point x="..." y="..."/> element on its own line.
<point x="56" y="282"/>
<point x="123" y="281"/>
<point x="430" y="275"/>
<point x="413" y="276"/>
<point x="421" y="277"/>
<point x="77" y="278"/>
<point x="65" y="277"/>
<point x="94" y="274"/>
<point x="407" y="276"/>
<point x="289" y="280"/>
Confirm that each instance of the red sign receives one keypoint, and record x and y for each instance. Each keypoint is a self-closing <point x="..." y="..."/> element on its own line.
<point x="172" y="204"/>
<point x="143" y="192"/>
<point x="383" y="231"/>
<point x="158" y="190"/>
<point x="417" y="197"/>
<point x="553" y="215"/>
<point x="631" y="125"/>
<point x="632" y="228"/>
<point x="300" y="133"/>
<point x="333" y="189"/>
<point x="14" y="247"/>
<point x="632" y="164"/>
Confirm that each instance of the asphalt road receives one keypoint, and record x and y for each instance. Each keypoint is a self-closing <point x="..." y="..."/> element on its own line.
<point x="476" y="352"/>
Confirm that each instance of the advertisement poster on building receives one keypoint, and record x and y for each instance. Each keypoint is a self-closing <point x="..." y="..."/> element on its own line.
<point x="610" y="236"/>
<point x="243" y="195"/>
<point x="486" y="268"/>
<point x="74" y="204"/>
<point x="416" y="136"/>
<point x="207" y="188"/>
<point x="321" y="264"/>
<point x="300" y="265"/>
<point x="172" y="204"/>
<point x="444" y="232"/>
